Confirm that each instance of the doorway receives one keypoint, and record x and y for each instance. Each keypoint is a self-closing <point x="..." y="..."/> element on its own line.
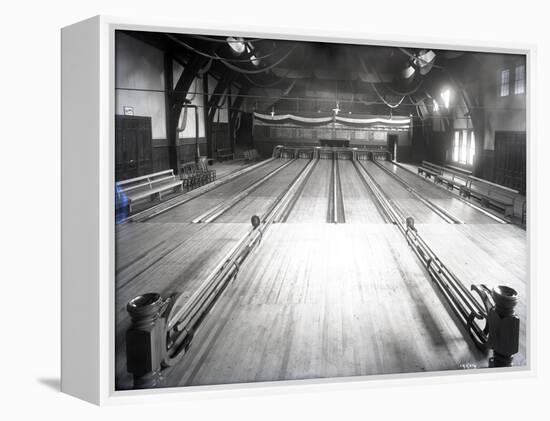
<point x="133" y="146"/>
<point x="392" y="145"/>
<point x="510" y="160"/>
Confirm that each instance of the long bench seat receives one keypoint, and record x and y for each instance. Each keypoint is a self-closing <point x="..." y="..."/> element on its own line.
<point x="489" y="193"/>
<point x="458" y="170"/>
<point x="224" y="153"/>
<point x="429" y="170"/>
<point x="452" y="178"/>
<point x="151" y="186"/>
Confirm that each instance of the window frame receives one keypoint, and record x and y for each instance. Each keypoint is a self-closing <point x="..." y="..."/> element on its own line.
<point x="504" y="87"/>
<point x="463" y="147"/>
<point x="517" y="81"/>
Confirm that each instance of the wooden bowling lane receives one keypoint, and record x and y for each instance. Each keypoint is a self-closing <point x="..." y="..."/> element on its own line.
<point x="440" y="196"/>
<point x="406" y="202"/>
<point x="326" y="300"/>
<point x="258" y="202"/>
<point x="491" y="254"/>
<point x="312" y="205"/>
<point x="190" y="210"/>
<point x="178" y="257"/>
<point x="359" y="204"/>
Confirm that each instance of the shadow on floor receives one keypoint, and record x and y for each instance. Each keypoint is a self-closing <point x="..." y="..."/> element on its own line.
<point x="52" y="383"/>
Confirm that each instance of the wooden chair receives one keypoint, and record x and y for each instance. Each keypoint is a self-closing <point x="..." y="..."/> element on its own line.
<point x="196" y="174"/>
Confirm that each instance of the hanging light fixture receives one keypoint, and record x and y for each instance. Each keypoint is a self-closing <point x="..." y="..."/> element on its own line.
<point x="236" y="44"/>
<point x="425" y="61"/>
<point x="272" y="112"/>
<point x="408" y="72"/>
<point x="255" y="61"/>
<point x="337" y="109"/>
<point x="250" y="50"/>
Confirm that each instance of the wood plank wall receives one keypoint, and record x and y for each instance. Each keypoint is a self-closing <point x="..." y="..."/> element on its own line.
<point x="505" y="165"/>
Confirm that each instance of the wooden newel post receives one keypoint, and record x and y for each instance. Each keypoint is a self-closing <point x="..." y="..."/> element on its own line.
<point x="503" y="326"/>
<point x="144" y="339"/>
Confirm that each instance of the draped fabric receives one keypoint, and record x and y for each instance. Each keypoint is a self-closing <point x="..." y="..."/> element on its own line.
<point x="326" y="119"/>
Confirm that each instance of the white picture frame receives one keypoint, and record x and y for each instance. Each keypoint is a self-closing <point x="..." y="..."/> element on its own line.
<point x="88" y="210"/>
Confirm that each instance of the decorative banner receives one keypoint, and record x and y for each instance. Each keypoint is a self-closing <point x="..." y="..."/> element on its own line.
<point x="349" y="121"/>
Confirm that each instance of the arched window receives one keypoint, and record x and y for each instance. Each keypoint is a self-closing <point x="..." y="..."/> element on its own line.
<point x="464" y="147"/>
<point x="519" y="86"/>
<point x="456" y="146"/>
<point x="504" y="82"/>
<point x="472" y="148"/>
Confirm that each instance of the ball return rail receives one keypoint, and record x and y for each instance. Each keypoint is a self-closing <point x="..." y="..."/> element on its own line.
<point x="487" y="314"/>
<point x="162" y="327"/>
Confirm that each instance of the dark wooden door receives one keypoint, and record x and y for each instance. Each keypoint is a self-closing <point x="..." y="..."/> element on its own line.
<point x="133" y="147"/>
<point x="244" y="134"/>
<point x="220" y="136"/>
<point x="510" y="160"/>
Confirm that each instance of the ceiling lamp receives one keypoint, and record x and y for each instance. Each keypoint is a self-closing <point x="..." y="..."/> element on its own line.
<point x="250" y="50"/>
<point x="425" y="61"/>
<point x="237" y="45"/>
<point x="408" y="72"/>
<point x="255" y="61"/>
<point x="436" y="106"/>
<point x="337" y="109"/>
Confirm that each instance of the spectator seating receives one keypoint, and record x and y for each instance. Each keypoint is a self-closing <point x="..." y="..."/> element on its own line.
<point x="151" y="186"/>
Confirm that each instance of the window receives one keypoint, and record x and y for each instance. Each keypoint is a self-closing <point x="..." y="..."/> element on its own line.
<point x="456" y="146"/>
<point x="436" y="106"/>
<point x="504" y="82"/>
<point x="472" y="149"/>
<point x="464" y="147"/>
<point x="446" y="96"/>
<point x="519" y="85"/>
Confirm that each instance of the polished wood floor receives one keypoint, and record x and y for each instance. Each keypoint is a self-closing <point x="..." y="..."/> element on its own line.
<point x="317" y="299"/>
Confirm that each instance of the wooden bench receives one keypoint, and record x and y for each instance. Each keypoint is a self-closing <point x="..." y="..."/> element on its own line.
<point x="489" y="193"/>
<point x="458" y="170"/>
<point x="149" y="186"/>
<point x="430" y="170"/>
<point x="223" y="154"/>
<point x="454" y="177"/>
